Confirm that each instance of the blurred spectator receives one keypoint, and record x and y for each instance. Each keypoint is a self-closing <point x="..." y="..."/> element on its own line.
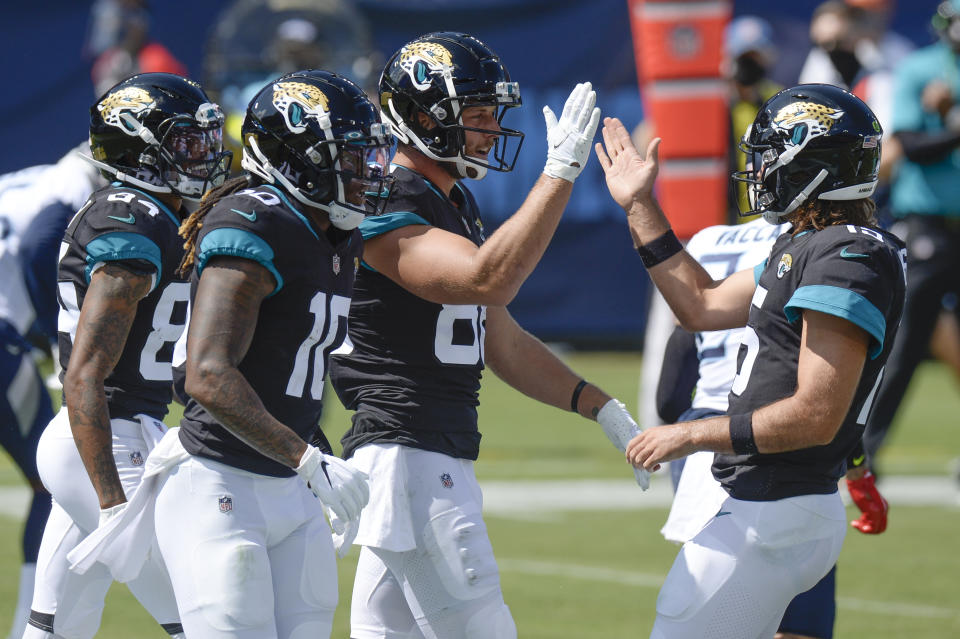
<point x="925" y="194"/>
<point x="120" y="38"/>
<point x="833" y="58"/>
<point x="851" y="38"/>
<point x="254" y="42"/>
<point x="749" y="54"/>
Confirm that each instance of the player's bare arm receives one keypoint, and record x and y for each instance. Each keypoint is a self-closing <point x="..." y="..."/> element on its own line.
<point x="699" y="302"/>
<point x="447" y="268"/>
<point x="109" y="308"/>
<point x="832" y="353"/>
<point x="526" y="364"/>
<point x="222" y="325"/>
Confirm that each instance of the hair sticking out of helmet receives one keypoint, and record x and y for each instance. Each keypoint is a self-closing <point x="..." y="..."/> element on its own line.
<point x="428" y="93"/>
<point x="811" y="142"/>
<point x="316" y="135"/>
<point x="159" y="132"/>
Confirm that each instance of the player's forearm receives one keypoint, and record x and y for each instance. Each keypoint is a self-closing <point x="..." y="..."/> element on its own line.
<point x="90" y="425"/>
<point x="226" y="394"/>
<point x="792" y="424"/>
<point x="508" y="257"/>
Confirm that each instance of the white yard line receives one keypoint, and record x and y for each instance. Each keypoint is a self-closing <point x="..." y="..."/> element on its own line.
<point x="645" y="580"/>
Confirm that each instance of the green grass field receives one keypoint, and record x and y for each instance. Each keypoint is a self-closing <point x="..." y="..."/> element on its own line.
<point x="596" y="573"/>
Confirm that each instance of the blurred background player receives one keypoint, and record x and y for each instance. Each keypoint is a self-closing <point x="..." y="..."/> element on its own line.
<point x="428" y="314"/>
<point x="35" y="206"/>
<point x="272" y="257"/>
<point x="703" y="366"/>
<point x="820" y="316"/>
<point x="924" y="195"/>
<point x="122" y="308"/>
<point x="253" y="42"/>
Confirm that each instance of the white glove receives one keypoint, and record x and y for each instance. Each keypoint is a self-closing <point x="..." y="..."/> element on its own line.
<point x="569" y="140"/>
<point x="340" y="487"/>
<point x="343" y="532"/>
<point x="106" y="514"/>
<point x="620" y="428"/>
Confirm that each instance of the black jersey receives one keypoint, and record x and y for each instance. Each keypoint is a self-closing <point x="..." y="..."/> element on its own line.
<point x="852" y="272"/>
<point x="127" y="226"/>
<point x="300" y="322"/>
<point x="412" y="368"/>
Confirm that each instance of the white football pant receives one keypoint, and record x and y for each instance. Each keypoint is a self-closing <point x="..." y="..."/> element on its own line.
<point x="73" y="601"/>
<point x="426" y="568"/>
<point x="250" y="556"/>
<point x="736" y="577"/>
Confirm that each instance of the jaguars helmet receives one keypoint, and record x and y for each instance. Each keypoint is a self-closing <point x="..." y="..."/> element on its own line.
<point x="159" y="132"/>
<point x="813" y="141"/>
<point x="440" y="74"/>
<point x="318" y="136"/>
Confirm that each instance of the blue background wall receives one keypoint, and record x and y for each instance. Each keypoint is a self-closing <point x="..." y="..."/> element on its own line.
<point x="590" y="286"/>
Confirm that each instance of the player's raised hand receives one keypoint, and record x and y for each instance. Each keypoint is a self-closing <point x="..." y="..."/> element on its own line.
<point x="342" y="488"/>
<point x="568" y="140"/>
<point x="630" y="176"/>
<point x="620" y="428"/>
<point x="871" y="503"/>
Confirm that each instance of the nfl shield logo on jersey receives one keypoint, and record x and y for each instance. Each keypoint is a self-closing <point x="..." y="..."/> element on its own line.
<point x="226" y="504"/>
<point x="136" y="458"/>
<point x="446" y="480"/>
<point x="786" y="263"/>
<point x="336" y="265"/>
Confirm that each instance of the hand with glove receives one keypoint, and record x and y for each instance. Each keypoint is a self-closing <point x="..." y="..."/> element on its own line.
<point x="569" y="139"/>
<point x="620" y="428"/>
<point x="871" y="503"/>
<point x="340" y="487"/>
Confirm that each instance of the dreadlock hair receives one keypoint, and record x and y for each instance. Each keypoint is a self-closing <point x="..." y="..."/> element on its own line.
<point x="817" y="215"/>
<point x="190" y="228"/>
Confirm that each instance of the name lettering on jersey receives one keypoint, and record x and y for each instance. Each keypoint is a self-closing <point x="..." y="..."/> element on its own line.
<point x="786" y="263"/>
<point x="252" y="216"/>
<point x="747" y="235"/>
<point x="268" y="198"/>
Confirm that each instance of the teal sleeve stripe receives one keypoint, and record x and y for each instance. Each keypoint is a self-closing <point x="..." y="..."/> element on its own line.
<point x="758" y="271"/>
<point x="238" y="243"/>
<point x="841" y="303"/>
<point x="379" y="224"/>
<point x="113" y="247"/>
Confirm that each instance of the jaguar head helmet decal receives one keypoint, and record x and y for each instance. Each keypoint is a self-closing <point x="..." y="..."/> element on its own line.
<point x="802" y="121"/>
<point x="129" y="100"/>
<point x="422" y="59"/>
<point x="299" y="101"/>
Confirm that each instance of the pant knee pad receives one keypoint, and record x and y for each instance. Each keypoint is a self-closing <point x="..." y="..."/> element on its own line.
<point x="233" y="582"/>
<point x="493" y="621"/>
<point x="457" y="544"/>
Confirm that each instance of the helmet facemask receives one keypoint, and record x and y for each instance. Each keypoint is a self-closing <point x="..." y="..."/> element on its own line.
<point x="190" y="156"/>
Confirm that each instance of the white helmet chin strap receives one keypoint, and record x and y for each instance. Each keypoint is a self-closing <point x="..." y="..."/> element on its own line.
<point x="126" y="178"/>
<point x="342" y="217"/>
<point x="465" y="168"/>
<point x="775" y="217"/>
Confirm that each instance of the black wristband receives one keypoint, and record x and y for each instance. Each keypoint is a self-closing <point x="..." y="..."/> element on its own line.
<point x="741" y="434"/>
<point x="575" y="398"/>
<point x="659" y="249"/>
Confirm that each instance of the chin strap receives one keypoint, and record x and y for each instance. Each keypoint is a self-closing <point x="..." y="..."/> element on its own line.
<point x="126" y="177"/>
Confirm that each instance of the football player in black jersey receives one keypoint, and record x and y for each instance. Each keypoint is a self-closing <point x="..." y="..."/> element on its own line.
<point x="821" y="314"/>
<point x="428" y="313"/>
<point x="121" y="309"/>
<point x="273" y="256"/>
